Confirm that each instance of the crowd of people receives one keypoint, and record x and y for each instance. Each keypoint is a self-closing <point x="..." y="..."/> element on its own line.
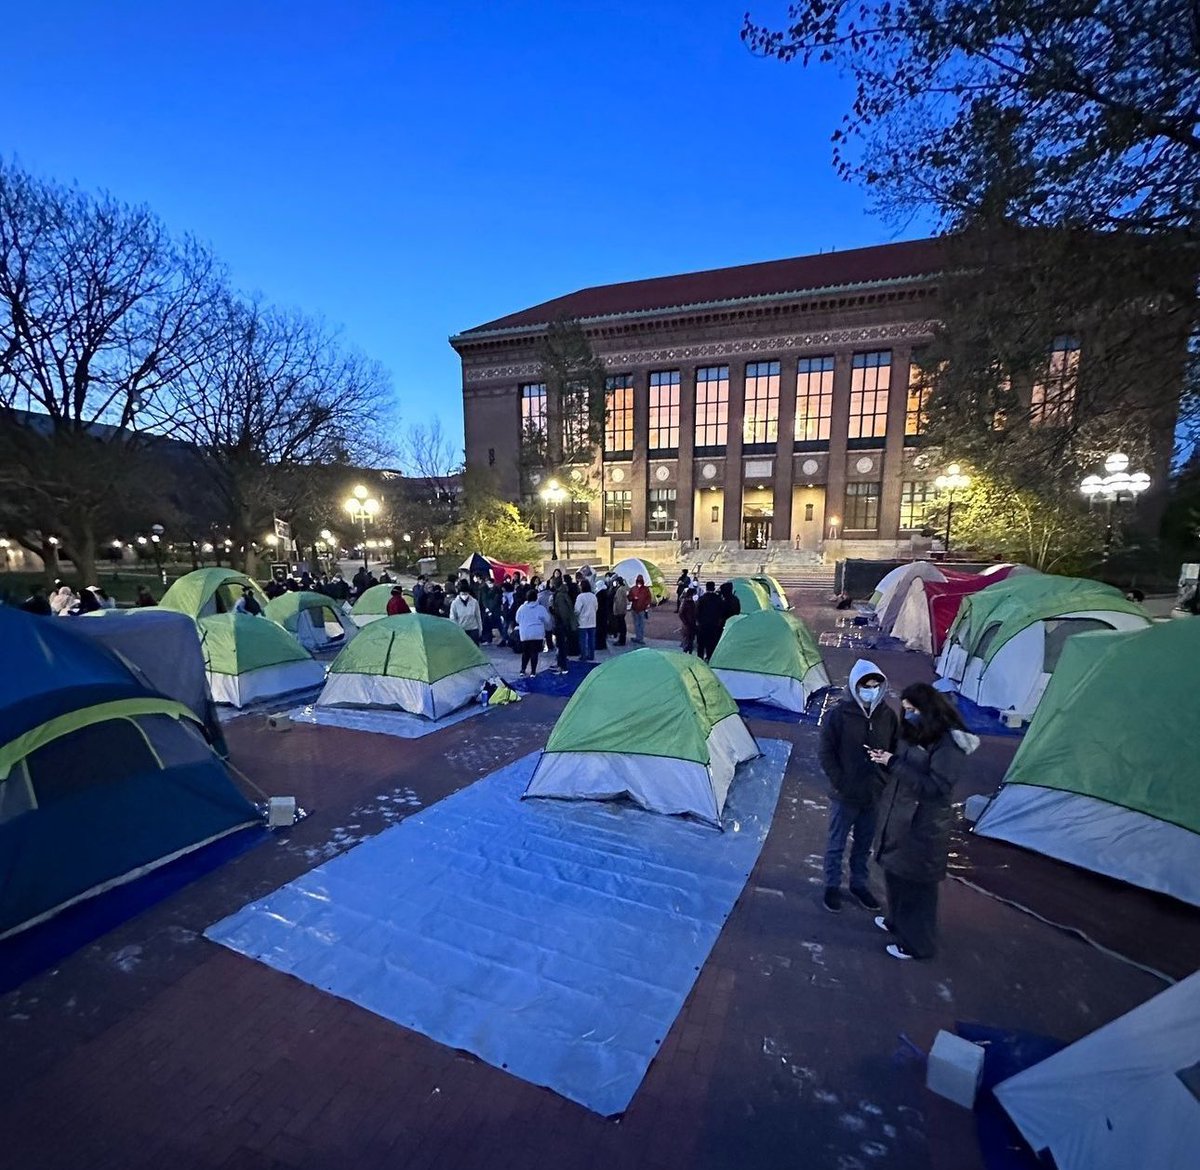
<point x="63" y="601"/>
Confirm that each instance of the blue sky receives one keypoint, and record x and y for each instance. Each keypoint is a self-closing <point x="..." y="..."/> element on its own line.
<point x="407" y="170"/>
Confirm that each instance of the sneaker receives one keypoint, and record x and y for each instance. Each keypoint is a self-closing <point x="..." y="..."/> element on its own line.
<point x="832" y="901"/>
<point x="882" y="923"/>
<point x="865" y="898"/>
<point x="897" y="951"/>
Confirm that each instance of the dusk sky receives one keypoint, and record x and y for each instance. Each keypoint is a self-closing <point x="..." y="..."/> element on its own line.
<point x="409" y="170"/>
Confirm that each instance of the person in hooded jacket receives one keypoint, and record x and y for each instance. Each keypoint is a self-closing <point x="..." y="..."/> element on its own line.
<point x="640" y="601"/>
<point x="729" y="600"/>
<point x="914" y="843"/>
<point x="620" y="606"/>
<point x="860" y="723"/>
<point x="562" y="609"/>
<point x="604" y="600"/>
<point x="687" y="620"/>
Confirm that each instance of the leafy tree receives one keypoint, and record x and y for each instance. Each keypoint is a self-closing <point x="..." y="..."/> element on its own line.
<point x="491" y="525"/>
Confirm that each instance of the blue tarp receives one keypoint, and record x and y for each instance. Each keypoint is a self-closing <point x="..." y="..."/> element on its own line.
<point x="984" y="720"/>
<point x="557" y="940"/>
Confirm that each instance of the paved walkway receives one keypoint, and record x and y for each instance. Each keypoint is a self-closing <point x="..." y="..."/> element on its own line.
<point x="155" y="1048"/>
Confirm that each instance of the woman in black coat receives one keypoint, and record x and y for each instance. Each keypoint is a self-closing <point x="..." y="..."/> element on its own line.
<point x="914" y="843"/>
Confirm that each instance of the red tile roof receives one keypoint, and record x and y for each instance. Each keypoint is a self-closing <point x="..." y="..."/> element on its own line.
<point x="885" y="262"/>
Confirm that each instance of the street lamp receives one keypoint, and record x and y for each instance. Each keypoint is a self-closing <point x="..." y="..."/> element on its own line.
<point x="363" y="509"/>
<point x="554" y="495"/>
<point x="1118" y="485"/>
<point x="954" y="480"/>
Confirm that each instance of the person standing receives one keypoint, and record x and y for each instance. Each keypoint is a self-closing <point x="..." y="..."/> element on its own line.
<point x="419" y="592"/>
<point x="857" y="726"/>
<point x="687" y="620"/>
<point x="729" y="601"/>
<point x="710" y="621"/>
<point x="145" y="598"/>
<point x="914" y="844"/>
<point x="681" y="587"/>
<point x="464" y="613"/>
<point x="620" y="606"/>
<point x="532" y="623"/>
<point x="396" y="604"/>
<point x="489" y="607"/>
<point x="604" y="600"/>
<point x="565" y="623"/>
<point x="585" y="615"/>
<point x="640" y="601"/>
<point x="546" y="601"/>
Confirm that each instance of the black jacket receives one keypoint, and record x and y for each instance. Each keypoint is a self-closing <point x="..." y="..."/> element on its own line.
<point x="845" y="730"/>
<point x="710" y="612"/>
<point x="915" y="840"/>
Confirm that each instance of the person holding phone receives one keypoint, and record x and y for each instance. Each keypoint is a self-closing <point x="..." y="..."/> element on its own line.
<point x="860" y="723"/>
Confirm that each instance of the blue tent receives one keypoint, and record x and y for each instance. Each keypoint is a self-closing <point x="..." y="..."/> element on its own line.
<point x="101" y="778"/>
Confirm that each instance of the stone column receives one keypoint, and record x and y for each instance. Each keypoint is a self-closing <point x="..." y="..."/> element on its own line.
<point x="731" y="522"/>
<point x="781" y="526"/>
<point x="892" y="473"/>
<point x="685" y="474"/>
<point x="639" y="476"/>
<point x="839" y="425"/>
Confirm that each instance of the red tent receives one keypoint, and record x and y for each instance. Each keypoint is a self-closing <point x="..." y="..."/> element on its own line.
<point x="500" y="570"/>
<point x="944" y="598"/>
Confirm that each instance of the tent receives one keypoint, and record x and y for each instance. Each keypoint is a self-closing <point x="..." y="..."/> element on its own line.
<point x="1006" y="640"/>
<point x="205" y="592"/>
<point x="631" y="567"/>
<point x="101" y="779"/>
<point x="162" y="648"/>
<point x="656" y="726"/>
<point x="752" y="596"/>
<point x="1106" y="777"/>
<point x="774" y="590"/>
<point x="250" y="658"/>
<point x="1124" y="1096"/>
<point x="770" y="657"/>
<point x="930" y="607"/>
<point x="890" y="593"/>
<point x="317" y="621"/>
<point x="417" y="662"/>
<point x="476" y="564"/>
<point x="372" y="604"/>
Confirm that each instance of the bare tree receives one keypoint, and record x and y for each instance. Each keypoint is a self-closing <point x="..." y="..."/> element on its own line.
<point x="101" y="312"/>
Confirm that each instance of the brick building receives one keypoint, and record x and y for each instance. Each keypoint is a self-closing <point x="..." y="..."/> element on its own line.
<point x="755" y="406"/>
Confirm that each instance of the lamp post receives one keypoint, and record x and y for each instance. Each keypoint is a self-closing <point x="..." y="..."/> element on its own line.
<point x="1118" y="485"/>
<point x="362" y="508"/>
<point x="952" y="481"/>
<point x="156" y="533"/>
<point x="554" y="495"/>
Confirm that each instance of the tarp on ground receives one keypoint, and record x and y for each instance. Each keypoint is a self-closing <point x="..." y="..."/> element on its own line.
<point x="1124" y="1096"/>
<point x="249" y="658"/>
<point x="655" y="726"/>
<point x="556" y="941"/>
<point x="751" y="595"/>
<point x="632" y="567"/>
<point x="205" y="592"/>
<point x="1106" y="777"/>
<point x="770" y="657"/>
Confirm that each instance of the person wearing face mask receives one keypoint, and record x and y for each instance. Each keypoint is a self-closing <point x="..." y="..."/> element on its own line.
<point x="914" y="844"/>
<point x="861" y="721"/>
<point x="465" y="613"/>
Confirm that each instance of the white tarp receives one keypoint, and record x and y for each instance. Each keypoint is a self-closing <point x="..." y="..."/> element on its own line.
<point x="555" y="939"/>
<point x="1114" y="1100"/>
<point x="382" y="722"/>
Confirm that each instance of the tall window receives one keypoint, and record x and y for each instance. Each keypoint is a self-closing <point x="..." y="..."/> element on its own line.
<point x="1052" y="399"/>
<point x="533" y="407"/>
<point x="862" y="506"/>
<point x="916" y="409"/>
<point x="760" y="423"/>
<point x="660" y="510"/>
<point x="712" y="406"/>
<point x="618" y="414"/>
<point x="870" y="378"/>
<point x="618" y="511"/>
<point x="814" y="399"/>
<point x="916" y="501"/>
<point x="664" y="410"/>
<point x="578" y="515"/>
<point x="577" y="444"/>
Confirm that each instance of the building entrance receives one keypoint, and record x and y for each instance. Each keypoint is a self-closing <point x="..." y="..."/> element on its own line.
<point x="756" y="531"/>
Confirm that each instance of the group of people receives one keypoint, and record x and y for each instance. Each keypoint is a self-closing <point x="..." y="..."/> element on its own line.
<point x="63" y="601"/>
<point x="891" y="778"/>
<point x="702" y="616"/>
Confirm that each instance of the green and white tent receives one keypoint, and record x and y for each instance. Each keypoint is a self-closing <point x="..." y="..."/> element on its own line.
<point x="631" y="567"/>
<point x="372" y="605"/>
<point x="774" y="590"/>
<point x="205" y="592"/>
<point x="770" y="657"/>
<point x="416" y="662"/>
<point x="655" y="726"/>
<point x="752" y="596"/>
<point x="249" y="658"/>
<point x="1106" y="777"/>
<point x="1007" y="639"/>
<point x="317" y="621"/>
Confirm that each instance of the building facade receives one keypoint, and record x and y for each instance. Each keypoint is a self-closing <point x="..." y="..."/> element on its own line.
<point x="759" y="406"/>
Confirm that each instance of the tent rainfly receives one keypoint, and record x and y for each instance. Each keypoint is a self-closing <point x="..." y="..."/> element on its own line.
<point x="250" y="658"/>
<point x="751" y="595"/>
<point x="890" y="593"/>
<point x="317" y="621"/>
<point x="774" y="591"/>
<point x="101" y="779"/>
<point x="205" y="592"/>
<point x="372" y="605"/>
<point x="1007" y="639"/>
<point x="633" y="567"/>
<point x="1106" y="775"/>
<point x="1124" y="1096"/>
<point x="655" y="726"/>
<point x="416" y="662"/>
<point x="770" y="657"/>
<point x="930" y="607"/>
